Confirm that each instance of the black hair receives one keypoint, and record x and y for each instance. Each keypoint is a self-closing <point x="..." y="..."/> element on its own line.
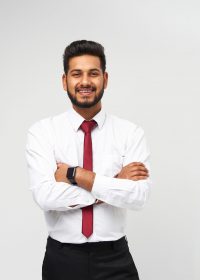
<point x="82" y="47"/>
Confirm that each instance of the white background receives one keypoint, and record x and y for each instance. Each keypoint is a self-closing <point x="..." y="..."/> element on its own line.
<point x="153" y="60"/>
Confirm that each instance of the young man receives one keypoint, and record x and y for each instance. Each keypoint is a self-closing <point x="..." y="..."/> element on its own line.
<point x="86" y="168"/>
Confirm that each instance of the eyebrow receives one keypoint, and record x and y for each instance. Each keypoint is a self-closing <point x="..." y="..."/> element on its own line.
<point x="90" y="70"/>
<point x="95" y="69"/>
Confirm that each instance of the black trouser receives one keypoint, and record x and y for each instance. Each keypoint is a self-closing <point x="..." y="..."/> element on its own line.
<point x="107" y="260"/>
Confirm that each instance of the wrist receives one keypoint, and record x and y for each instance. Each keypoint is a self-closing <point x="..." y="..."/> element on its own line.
<point x="84" y="178"/>
<point x="70" y="175"/>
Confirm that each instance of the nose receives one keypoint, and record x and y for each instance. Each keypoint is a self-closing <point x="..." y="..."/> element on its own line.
<point x="85" y="80"/>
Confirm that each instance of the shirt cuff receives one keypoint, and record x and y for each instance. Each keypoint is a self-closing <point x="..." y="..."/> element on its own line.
<point x="83" y="201"/>
<point x="100" y="186"/>
<point x="122" y="193"/>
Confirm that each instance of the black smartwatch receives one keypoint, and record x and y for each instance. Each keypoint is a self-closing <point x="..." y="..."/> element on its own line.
<point x="71" y="172"/>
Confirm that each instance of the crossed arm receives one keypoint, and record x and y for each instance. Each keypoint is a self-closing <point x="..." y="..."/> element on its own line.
<point x="52" y="191"/>
<point x="134" y="171"/>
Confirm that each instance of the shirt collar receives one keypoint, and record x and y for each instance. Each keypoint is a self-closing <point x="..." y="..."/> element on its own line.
<point x="76" y="119"/>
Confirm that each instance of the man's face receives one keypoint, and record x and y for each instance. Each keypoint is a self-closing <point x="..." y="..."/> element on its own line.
<point x="85" y="81"/>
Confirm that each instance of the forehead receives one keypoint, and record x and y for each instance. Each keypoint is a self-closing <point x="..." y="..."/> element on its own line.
<point x="84" y="62"/>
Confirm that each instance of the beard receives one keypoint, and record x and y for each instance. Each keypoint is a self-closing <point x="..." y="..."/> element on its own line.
<point x="86" y="103"/>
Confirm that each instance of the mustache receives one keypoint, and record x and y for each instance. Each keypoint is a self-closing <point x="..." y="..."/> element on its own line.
<point x="85" y="88"/>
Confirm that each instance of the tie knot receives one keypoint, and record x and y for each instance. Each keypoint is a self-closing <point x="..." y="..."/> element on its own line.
<point x="87" y="126"/>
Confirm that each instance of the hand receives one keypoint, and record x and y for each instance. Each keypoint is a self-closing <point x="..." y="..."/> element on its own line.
<point x="134" y="171"/>
<point x="60" y="174"/>
<point x="99" y="202"/>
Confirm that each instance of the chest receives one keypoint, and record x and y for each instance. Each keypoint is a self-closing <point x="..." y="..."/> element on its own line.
<point x="108" y="150"/>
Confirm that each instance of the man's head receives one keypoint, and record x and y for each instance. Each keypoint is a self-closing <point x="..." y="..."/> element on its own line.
<point x="85" y="78"/>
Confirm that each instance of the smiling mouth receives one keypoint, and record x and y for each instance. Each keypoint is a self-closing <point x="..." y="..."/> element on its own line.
<point x="85" y="91"/>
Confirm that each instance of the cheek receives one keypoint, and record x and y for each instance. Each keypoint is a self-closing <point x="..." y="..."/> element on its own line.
<point x="99" y="84"/>
<point x="71" y="85"/>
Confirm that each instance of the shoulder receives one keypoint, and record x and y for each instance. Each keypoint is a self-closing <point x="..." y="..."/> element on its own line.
<point x="128" y="132"/>
<point x="123" y="125"/>
<point x="47" y="124"/>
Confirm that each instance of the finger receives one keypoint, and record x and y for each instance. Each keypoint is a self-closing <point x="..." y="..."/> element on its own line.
<point x="137" y="178"/>
<point x="59" y="163"/>
<point x="138" y="168"/>
<point x="139" y="173"/>
<point x="99" y="202"/>
<point x="137" y="164"/>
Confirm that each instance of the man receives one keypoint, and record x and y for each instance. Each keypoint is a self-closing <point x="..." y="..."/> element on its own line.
<point x="86" y="168"/>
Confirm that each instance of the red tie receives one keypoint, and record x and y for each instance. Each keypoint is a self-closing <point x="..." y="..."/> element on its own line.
<point x="87" y="212"/>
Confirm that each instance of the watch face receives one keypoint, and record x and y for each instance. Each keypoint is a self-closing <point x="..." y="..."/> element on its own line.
<point x="71" y="175"/>
<point x="70" y="172"/>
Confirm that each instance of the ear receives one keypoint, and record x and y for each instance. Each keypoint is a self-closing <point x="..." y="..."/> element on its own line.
<point x="64" y="82"/>
<point x="105" y="77"/>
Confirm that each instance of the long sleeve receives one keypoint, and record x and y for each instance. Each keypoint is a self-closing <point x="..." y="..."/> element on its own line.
<point x="126" y="193"/>
<point x="49" y="194"/>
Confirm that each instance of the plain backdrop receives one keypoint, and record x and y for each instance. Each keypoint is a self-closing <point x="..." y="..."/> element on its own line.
<point x="153" y="60"/>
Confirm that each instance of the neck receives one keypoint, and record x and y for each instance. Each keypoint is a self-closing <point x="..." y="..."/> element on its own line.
<point x="88" y="113"/>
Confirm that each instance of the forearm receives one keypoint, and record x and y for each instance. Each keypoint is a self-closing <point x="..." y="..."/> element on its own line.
<point x="119" y="192"/>
<point x="85" y="178"/>
<point x="50" y="194"/>
<point x="122" y="193"/>
<point x="60" y="196"/>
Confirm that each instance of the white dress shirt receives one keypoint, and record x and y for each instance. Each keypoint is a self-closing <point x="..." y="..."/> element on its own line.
<point x="116" y="143"/>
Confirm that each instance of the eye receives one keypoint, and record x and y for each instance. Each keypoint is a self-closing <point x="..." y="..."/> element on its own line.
<point x="94" y="74"/>
<point x="75" y="75"/>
